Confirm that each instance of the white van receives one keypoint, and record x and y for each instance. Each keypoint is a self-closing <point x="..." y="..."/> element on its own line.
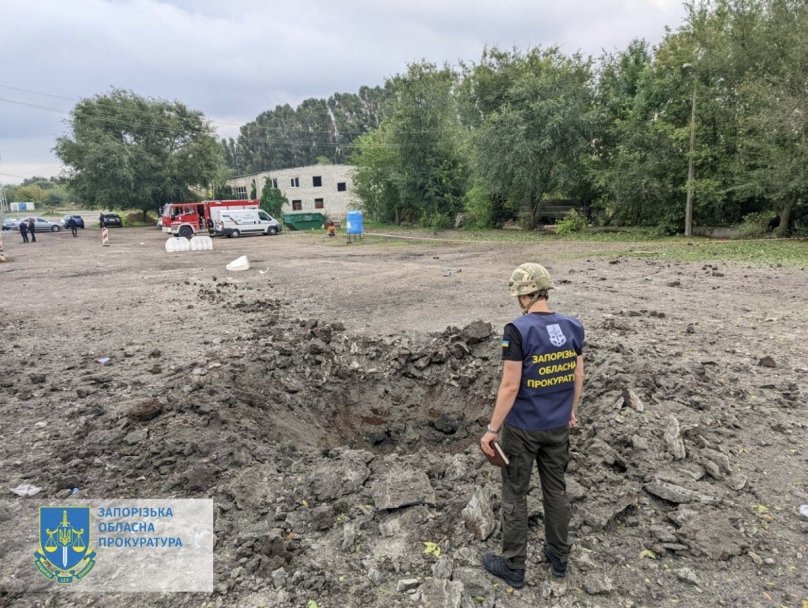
<point x="238" y="222"/>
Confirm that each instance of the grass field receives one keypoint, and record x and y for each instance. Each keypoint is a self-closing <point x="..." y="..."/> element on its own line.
<point x="631" y="243"/>
<point x="634" y="242"/>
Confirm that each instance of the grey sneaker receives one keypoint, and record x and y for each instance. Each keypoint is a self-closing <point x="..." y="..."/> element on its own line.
<point x="497" y="566"/>
<point x="558" y="567"/>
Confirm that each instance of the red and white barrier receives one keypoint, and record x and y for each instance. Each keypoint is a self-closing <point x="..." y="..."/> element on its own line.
<point x="105" y="237"/>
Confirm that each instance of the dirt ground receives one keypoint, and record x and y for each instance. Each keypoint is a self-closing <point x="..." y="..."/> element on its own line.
<point x="329" y="357"/>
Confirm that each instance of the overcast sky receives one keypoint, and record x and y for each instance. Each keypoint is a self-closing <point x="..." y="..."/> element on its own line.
<point x="236" y="58"/>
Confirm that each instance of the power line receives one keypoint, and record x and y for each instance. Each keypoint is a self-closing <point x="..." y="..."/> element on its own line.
<point x="5" y="86"/>
<point x="33" y="105"/>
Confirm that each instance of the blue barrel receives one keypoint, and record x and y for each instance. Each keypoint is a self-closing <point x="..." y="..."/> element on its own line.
<point x="353" y="221"/>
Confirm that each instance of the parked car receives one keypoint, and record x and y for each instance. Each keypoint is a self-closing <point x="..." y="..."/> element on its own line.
<point x="11" y="223"/>
<point x="110" y="220"/>
<point x="237" y="222"/>
<point x="40" y="223"/>
<point x="79" y="221"/>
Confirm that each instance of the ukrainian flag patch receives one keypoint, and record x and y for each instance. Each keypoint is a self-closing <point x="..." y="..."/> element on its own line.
<point x="505" y="343"/>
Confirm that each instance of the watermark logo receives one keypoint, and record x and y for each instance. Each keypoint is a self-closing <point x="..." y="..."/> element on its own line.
<point x="64" y="554"/>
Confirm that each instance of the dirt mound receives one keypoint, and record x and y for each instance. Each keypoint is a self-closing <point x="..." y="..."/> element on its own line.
<point x="137" y="219"/>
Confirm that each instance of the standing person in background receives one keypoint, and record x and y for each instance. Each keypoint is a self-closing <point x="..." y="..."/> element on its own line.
<point x="24" y="231"/>
<point x="537" y="404"/>
<point x="73" y="225"/>
<point x="32" y="229"/>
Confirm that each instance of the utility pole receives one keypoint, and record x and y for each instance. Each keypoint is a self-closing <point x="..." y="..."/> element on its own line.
<point x="689" y="203"/>
<point x="3" y="201"/>
<point x="691" y="153"/>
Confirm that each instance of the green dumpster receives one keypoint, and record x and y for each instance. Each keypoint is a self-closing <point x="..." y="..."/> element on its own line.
<point x="303" y="221"/>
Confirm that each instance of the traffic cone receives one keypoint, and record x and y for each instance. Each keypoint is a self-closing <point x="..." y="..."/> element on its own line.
<point x="105" y="237"/>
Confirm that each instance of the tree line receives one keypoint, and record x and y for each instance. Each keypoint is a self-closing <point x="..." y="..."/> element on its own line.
<point x="713" y="121"/>
<point x="719" y="108"/>
<point x="44" y="191"/>
<point x="318" y="130"/>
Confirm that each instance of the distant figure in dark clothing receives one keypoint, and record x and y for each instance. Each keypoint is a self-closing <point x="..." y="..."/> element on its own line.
<point x="73" y="225"/>
<point x="32" y="230"/>
<point x="24" y="231"/>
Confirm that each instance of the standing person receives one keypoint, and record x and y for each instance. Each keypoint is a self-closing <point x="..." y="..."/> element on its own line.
<point x="32" y="229"/>
<point x="537" y="404"/>
<point x="24" y="231"/>
<point x="73" y="225"/>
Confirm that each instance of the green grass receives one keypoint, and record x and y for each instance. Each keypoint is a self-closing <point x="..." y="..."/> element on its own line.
<point x="789" y="252"/>
<point x="638" y="242"/>
<point x="513" y="236"/>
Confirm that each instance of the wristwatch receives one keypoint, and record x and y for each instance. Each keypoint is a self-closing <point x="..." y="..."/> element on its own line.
<point x="490" y="430"/>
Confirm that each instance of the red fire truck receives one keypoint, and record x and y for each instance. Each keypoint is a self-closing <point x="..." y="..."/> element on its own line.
<point x="188" y="219"/>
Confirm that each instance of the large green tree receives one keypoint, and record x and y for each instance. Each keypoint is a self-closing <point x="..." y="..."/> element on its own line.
<point x="774" y="114"/>
<point x="638" y="165"/>
<point x="130" y="152"/>
<point x="412" y="168"/>
<point x="532" y="125"/>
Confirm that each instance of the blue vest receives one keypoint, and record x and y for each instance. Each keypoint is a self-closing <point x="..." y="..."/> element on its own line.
<point x="551" y="344"/>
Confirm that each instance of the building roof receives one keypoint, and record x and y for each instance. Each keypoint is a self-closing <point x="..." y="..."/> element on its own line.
<point x="292" y="169"/>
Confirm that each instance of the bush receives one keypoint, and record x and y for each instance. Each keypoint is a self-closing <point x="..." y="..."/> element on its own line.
<point x="667" y="228"/>
<point x="573" y="222"/>
<point x="478" y="207"/>
<point x="757" y="224"/>
<point x="438" y="221"/>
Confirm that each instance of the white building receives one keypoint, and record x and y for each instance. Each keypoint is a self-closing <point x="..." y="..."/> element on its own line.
<point x="324" y="188"/>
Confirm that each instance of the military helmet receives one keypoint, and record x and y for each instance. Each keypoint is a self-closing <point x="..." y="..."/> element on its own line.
<point x="529" y="278"/>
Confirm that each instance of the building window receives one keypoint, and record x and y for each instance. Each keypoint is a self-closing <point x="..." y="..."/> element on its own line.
<point x="275" y="183"/>
<point x="295" y="182"/>
<point x="317" y="181"/>
<point x="297" y="205"/>
<point x="318" y="203"/>
<point x="240" y="191"/>
<point x="341" y="186"/>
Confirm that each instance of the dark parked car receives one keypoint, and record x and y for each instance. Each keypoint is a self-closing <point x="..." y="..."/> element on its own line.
<point x="110" y="220"/>
<point x="78" y="219"/>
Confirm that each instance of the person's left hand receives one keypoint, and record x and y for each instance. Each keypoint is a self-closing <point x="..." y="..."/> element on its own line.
<point x="573" y="420"/>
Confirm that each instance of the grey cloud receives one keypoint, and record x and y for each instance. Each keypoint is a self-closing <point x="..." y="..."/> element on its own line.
<point x="242" y="57"/>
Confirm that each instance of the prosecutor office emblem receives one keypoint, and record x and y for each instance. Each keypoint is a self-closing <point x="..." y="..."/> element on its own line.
<point x="557" y="337"/>
<point x="64" y="553"/>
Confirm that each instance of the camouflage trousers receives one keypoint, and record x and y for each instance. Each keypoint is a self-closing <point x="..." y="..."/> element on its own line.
<point x="550" y="451"/>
